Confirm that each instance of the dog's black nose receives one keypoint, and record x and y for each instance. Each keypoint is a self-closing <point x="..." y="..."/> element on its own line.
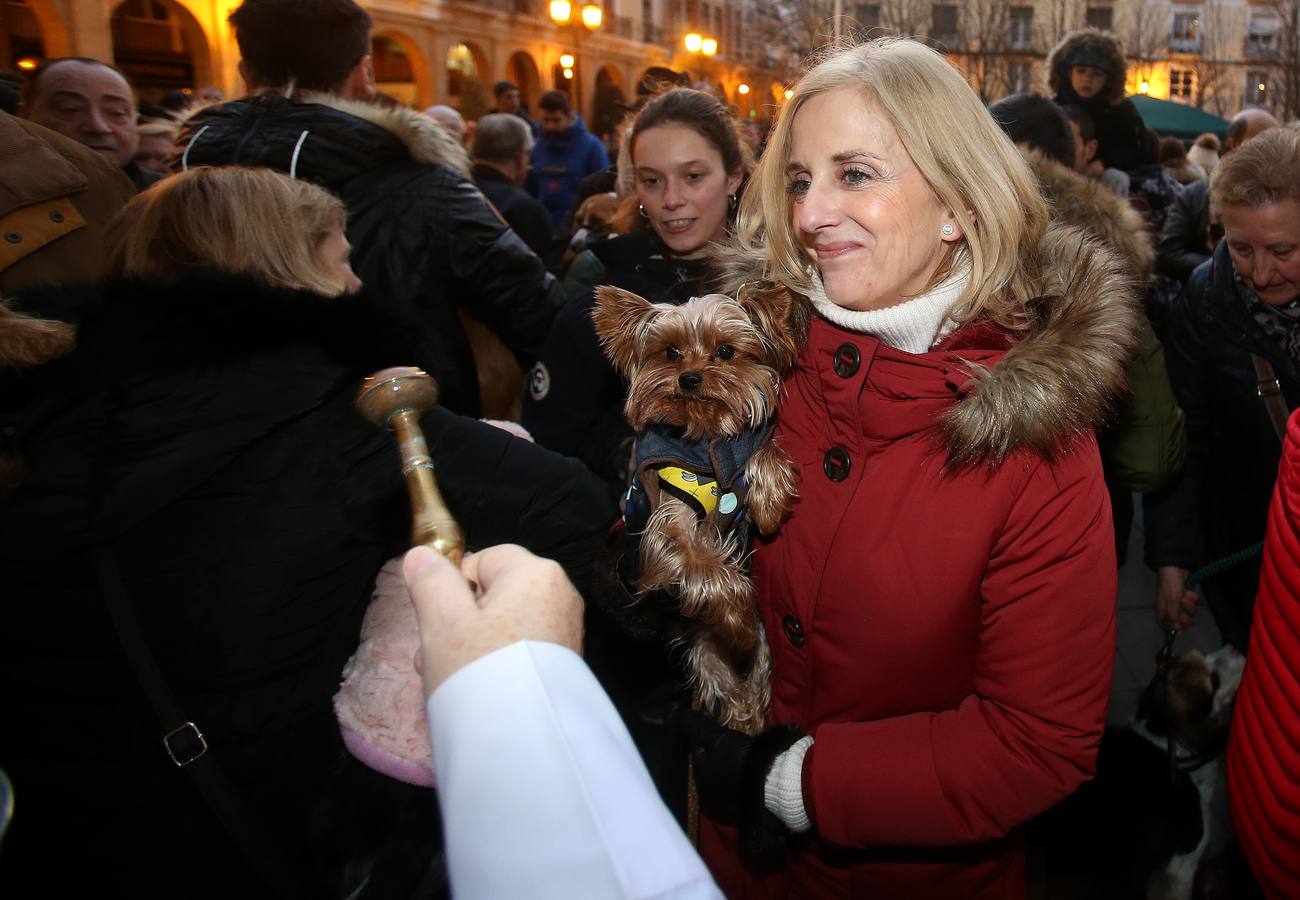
<point x="689" y="380"/>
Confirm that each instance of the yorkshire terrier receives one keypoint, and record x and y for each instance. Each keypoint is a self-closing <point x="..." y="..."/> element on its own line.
<point x="704" y="379"/>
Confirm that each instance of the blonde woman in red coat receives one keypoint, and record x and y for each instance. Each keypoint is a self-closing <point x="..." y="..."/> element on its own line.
<point x="940" y="603"/>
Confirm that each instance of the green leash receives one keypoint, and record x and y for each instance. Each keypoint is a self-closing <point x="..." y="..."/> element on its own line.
<point x="1224" y="563"/>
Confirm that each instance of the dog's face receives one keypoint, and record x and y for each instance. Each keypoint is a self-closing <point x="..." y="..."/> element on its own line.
<point x="705" y="366"/>
<point x="1192" y="697"/>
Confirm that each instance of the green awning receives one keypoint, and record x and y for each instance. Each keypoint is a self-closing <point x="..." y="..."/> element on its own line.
<point x="1186" y="122"/>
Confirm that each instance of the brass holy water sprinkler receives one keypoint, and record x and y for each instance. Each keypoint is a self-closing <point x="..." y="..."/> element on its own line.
<point x="395" y="399"/>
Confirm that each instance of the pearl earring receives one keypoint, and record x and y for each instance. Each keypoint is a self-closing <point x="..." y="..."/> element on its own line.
<point x="948" y="230"/>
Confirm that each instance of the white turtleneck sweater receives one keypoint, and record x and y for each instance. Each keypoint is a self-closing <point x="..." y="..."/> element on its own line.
<point x="913" y="326"/>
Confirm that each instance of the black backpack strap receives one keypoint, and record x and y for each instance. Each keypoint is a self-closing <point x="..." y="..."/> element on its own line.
<point x="184" y="741"/>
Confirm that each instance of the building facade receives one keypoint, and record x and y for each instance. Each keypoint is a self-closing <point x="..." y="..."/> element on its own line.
<point x="425" y="51"/>
<point x="1216" y="55"/>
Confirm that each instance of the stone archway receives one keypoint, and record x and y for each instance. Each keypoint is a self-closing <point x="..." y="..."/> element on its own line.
<point x="522" y="70"/>
<point x="467" y="74"/>
<point x="160" y="46"/>
<point x="31" y="31"/>
<point x="401" y="68"/>
<point x="608" y="108"/>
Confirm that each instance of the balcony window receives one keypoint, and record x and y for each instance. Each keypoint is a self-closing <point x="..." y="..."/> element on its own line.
<point x="1185" y="35"/>
<point x="867" y="15"/>
<point x="1021" y="28"/>
<point x="1099" y="17"/>
<point x="1261" y="37"/>
<point x="1256" y="93"/>
<point x="1182" y="85"/>
<point x="1018" y="78"/>
<point x="943" y="24"/>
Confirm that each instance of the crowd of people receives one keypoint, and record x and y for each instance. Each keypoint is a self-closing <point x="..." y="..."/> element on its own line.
<point x="1005" y="324"/>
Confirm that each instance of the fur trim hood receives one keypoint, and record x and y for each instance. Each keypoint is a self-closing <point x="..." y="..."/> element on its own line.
<point x="1088" y="47"/>
<point x="426" y="140"/>
<point x="1090" y="205"/>
<point x="1064" y="371"/>
<point x="27" y="341"/>
<point x="300" y="124"/>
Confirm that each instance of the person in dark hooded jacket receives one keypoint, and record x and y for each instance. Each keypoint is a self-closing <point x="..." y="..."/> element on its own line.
<point x="1087" y="69"/>
<point x="1233" y="347"/>
<point x="426" y="242"/>
<point x="198" y="462"/>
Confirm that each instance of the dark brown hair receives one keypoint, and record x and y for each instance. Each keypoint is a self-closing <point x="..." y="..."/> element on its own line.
<point x="554" y="101"/>
<point x="311" y="44"/>
<point x="702" y="113"/>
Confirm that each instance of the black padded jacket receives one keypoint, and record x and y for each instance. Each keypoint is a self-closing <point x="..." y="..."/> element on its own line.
<point x="425" y="242"/>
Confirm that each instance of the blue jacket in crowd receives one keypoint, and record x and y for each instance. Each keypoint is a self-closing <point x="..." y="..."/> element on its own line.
<point x="560" y="161"/>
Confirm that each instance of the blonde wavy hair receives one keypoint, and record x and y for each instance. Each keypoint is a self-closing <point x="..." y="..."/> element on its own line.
<point x="252" y="221"/>
<point x="968" y="161"/>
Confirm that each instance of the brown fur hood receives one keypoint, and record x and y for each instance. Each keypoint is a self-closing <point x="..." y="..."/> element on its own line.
<point x="1090" y="205"/>
<point x="1101" y="49"/>
<point x="1064" y="370"/>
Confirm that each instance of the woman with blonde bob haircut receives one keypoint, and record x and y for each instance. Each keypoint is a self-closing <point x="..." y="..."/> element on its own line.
<point x="254" y="221"/>
<point x="929" y="105"/>
<point x="940" y="601"/>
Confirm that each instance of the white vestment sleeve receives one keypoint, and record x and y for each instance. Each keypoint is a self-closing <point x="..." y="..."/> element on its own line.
<point x="543" y="793"/>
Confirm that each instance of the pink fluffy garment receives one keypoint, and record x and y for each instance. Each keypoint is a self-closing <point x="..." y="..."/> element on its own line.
<point x="380" y="704"/>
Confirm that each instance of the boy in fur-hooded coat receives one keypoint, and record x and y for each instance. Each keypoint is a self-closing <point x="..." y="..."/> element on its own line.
<point x="1117" y="121"/>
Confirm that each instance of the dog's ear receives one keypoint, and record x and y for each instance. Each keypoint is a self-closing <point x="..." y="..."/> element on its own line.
<point x="621" y="318"/>
<point x="778" y="317"/>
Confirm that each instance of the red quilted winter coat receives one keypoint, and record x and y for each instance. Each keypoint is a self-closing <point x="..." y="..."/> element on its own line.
<point x="1264" y="748"/>
<point x="947" y="636"/>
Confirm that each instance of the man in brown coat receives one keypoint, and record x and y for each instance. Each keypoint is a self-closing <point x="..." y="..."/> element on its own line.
<point x="56" y="197"/>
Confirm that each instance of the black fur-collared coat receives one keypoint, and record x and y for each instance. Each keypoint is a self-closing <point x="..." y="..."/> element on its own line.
<point x="424" y="241"/>
<point x="205" y="431"/>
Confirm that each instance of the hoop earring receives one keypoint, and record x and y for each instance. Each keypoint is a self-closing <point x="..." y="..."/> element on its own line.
<point x="948" y="230"/>
<point x="640" y="207"/>
<point x="732" y="201"/>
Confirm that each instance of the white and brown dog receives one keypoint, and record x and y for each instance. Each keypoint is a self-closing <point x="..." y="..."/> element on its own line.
<point x="1157" y="806"/>
<point x="1186" y="712"/>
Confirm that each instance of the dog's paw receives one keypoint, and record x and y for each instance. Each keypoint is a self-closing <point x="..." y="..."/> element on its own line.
<point x="773" y="486"/>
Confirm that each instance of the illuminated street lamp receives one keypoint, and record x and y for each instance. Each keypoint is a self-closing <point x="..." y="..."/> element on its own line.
<point x="742" y="89"/>
<point x="709" y="46"/>
<point x="591" y="16"/>
<point x="1144" y="87"/>
<point x="693" y="42"/>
